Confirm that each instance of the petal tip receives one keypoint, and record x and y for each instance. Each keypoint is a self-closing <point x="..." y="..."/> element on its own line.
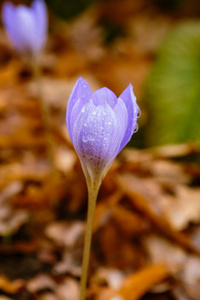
<point x="6" y="9"/>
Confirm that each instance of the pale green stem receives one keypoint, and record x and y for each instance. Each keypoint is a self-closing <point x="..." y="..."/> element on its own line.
<point x="93" y="190"/>
<point x="45" y="114"/>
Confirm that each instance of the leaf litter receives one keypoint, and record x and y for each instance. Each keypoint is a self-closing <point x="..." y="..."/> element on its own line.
<point x="146" y="234"/>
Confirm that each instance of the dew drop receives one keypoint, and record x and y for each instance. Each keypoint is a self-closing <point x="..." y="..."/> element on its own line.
<point x="94" y="113"/>
<point x="104" y="113"/>
<point x="84" y="139"/>
<point x="91" y="138"/>
<point x="85" y="124"/>
<point x="109" y="123"/>
<point x="138" y="113"/>
<point x="83" y="109"/>
<point x="136" y="128"/>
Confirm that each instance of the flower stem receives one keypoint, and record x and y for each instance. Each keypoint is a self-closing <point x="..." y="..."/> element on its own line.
<point x="45" y="114"/>
<point x="92" y="197"/>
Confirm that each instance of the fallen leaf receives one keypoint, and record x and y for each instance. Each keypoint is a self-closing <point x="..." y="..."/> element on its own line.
<point x="64" y="233"/>
<point x="136" y="285"/>
<point x="39" y="283"/>
<point x="183" y="207"/>
<point x="11" y="287"/>
<point x="142" y="205"/>
<point x="68" y="290"/>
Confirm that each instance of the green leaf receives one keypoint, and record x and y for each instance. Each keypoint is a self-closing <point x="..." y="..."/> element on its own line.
<point x="173" y="88"/>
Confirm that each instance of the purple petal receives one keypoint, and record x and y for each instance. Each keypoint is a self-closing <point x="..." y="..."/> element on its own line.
<point x="129" y="100"/>
<point x="40" y="14"/>
<point x="80" y="90"/>
<point x="104" y="95"/>
<point x="81" y="118"/>
<point x="75" y="113"/>
<point x="9" y="21"/>
<point x="96" y="136"/>
<point x="100" y="125"/>
<point x="122" y="119"/>
<point x="25" y="27"/>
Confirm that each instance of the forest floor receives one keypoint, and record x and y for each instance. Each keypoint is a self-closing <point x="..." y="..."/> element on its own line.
<point x="146" y="235"/>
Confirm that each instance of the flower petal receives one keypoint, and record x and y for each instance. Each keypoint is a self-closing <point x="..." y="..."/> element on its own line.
<point x="104" y="95"/>
<point x="78" y="106"/>
<point x="129" y="100"/>
<point x="8" y="18"/>
<point x="80" y="90"/>
<point x="81" y="118"/>
<point x="100" y="125"/>
<point x="122" y="119"/>
<point x="97" y="137"/>
<point x="40" y="15"/>
<point x="25" y="27"/>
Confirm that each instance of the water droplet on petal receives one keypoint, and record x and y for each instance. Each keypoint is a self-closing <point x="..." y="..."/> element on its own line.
<point x="104" y="113"/>
<point x="85" y="124"/>
<point x="84" y="139"/>
<point x="138" y="113"/>
<point x="136" y="128"/>
<point x="109" y="123"/>
<point x="83" y="110"/>
<point x="91" y="138"/>
<point x="94" y="113"/>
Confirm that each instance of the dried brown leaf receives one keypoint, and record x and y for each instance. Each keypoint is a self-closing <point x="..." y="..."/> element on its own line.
<point x="64" y="233"/>
<point x="142" y="205"/>
<point x="136" y="285"/>
<point x="11" y="287"/>
<point x="68" y="290"/>
<point x="183" y="207"/>
<point x="39" y="283"/>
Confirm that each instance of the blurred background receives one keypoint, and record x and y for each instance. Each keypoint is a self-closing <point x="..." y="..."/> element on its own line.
<point x="148" y="213"/>
<point x="152" y="44"/>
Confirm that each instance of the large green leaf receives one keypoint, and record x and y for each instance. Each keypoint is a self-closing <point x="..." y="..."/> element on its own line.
<point x="173" y="88"/>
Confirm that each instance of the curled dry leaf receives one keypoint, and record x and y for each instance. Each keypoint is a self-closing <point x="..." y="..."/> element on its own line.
<point x="64" y="233"/>
<point x="142" y="205"/>
<point x="183" y="207"/>
<point x="70" y="263"/>
<point x="186" y="268"/>
<point x="68" y="290"/>
<point x="39" y="283"/>
<point x="10" y="219"/>
<point x="11" y="287"/>
<point x="136" y="285"/>
<point x="112" y="277"/>
<point x="47" y="296"/>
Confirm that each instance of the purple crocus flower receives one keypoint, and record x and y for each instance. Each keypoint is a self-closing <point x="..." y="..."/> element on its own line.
<point x="26" y="26"/>
<point x="100" y="125"/>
